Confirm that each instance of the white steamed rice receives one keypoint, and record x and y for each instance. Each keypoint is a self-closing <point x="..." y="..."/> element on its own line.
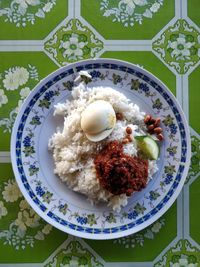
<point x="72" y="151"/>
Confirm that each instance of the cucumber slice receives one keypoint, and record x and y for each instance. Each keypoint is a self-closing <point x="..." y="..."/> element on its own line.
<point x="148" y="146"/>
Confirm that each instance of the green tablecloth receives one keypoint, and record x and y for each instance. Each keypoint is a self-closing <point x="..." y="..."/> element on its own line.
<point x="37" y="37"/>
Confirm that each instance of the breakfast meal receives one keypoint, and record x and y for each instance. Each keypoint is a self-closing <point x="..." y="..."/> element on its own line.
<point x="107" y="148"/>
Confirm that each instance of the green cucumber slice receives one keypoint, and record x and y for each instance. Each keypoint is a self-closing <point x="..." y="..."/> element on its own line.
<point x="148" y="146"/>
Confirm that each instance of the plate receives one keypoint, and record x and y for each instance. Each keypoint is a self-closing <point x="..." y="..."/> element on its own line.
<point x="33" y="164"/>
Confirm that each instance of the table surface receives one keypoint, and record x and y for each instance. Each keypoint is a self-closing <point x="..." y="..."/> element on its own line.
<point x="37" y="37"/>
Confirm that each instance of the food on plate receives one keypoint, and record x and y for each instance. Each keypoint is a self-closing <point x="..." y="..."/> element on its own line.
<point x="153" y="126"/>
<point x="98" y="120"/>
<point x="118" y="172"/>
<point x="106" y="149"/>
<point x="148" y="146"/>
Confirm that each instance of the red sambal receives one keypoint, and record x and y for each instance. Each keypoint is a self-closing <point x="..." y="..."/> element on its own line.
<point x="119" y="173"/>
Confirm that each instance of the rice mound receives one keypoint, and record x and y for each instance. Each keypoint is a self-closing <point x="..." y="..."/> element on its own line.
<point x="73" y="153"/>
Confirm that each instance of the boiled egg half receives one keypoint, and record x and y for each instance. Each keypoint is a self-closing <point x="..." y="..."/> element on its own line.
<point x="98" y="120"/>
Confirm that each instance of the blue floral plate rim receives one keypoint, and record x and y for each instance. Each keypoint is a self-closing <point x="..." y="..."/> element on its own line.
<point x="92" y="232"/>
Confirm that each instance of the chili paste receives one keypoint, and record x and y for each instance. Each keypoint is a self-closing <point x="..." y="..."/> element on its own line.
<point x="120" y="173"/>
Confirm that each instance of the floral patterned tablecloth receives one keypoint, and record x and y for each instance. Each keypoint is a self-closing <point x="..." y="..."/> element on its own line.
<point x="36" y="38"/>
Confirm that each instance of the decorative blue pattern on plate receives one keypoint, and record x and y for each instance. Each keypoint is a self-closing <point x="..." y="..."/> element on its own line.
<point x="69" y="211"/>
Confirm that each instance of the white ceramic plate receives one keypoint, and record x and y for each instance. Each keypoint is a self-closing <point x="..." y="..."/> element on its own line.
<point x="69" y="211"/>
